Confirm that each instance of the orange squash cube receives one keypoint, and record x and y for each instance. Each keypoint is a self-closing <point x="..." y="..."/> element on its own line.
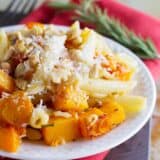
<point x="114" y="112"/>
<point x="9" y="139"/>
<point x="93" y="123"/>
<point x="61" y="130"/>
<point x="70" y="98"/>
<point x="31" y="25"/>
<point x="16" y="109"/>
<point x="6" y="82"/>
<point x="21" y="131"/>
<point x="36" y="28"/>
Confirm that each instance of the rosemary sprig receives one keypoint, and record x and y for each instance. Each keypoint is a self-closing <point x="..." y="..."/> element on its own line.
<point x="48" y="125"/>
<point x="87" y="11"/>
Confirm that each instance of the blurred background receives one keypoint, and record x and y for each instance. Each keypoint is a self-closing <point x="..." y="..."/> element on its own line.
<point x="149" y="6"/>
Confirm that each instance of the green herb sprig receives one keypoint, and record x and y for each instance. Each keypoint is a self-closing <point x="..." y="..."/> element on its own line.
<point x="87" y="11"/>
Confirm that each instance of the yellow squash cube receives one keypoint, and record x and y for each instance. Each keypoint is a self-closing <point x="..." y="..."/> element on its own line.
<point x="131" y="104"/>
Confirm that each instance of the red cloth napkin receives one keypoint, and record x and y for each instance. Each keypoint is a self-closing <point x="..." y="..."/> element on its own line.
<point x="139" y="22"/>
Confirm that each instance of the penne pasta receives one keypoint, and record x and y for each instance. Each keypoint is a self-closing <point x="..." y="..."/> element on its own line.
<point x="3" y="44"/>
<point x="102" y="88"/>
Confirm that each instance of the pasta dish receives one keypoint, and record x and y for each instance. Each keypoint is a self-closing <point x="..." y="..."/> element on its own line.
<point x="60" y="86"/>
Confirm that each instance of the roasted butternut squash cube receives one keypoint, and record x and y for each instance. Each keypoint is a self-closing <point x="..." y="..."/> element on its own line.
<point x="30" y="25"/>
<point x="6" y="82"/>
<point x="21" y="131"/>
<point x="61" y="130"/>
<point x="9" y="139"/>
<point x="36" y="28"/>
<point x="114" y="112"/>
<point x="93" y="123"/>
<point x="70" y="98"/>
<point x="16" y="109"/>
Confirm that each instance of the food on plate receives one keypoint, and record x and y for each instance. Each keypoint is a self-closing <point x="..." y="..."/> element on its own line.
<point x="4" y="44"/>
<point x="61" y="130"/>
<point x="6" y="82"/>
<point x="102" y="88"/>
<point x="115" y="113"/>
<point x="21" y="131"/>
<point x="59" y="86"/>
<point x="131" y="104"/>
<point x="33" y="134"/>
<point x="93" y="123"/>
<point x="15" y="109"/>
<point x="70" y="97"/>
<point x="9" y="139"/>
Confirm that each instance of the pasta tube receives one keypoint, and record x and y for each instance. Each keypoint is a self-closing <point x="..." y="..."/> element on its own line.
<point x="3" y="44"/>
<point x="102" y="88"/>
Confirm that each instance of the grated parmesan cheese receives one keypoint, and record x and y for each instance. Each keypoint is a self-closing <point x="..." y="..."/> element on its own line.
<point x="92" y="119"/>
<point x="40" y="116"/>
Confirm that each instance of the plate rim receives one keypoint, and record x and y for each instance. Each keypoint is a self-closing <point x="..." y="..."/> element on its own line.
<point x="131" y="134"/>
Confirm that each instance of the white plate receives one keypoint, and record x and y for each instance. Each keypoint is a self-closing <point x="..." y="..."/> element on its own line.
<point x="73" y="150"/>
